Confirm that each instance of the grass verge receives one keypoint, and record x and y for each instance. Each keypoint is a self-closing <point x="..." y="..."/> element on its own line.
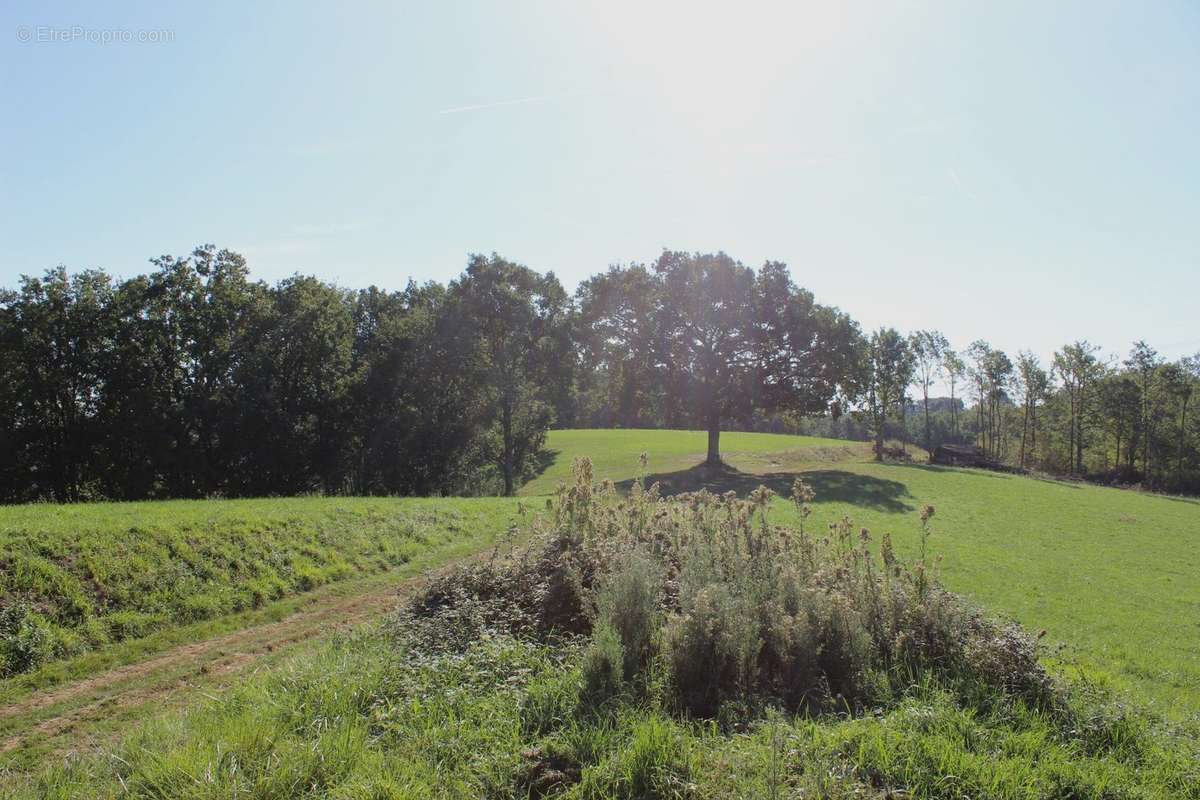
<point x="92" y="586"/>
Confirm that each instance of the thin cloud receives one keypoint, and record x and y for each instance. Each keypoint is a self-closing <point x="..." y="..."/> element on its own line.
<point x="519" y="101"/>
<point x="323" y="149"/>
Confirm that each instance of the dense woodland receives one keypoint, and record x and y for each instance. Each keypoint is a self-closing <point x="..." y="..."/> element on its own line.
<point x="195" y="381"/>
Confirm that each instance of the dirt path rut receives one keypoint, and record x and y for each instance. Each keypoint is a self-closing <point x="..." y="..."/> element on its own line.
<point x="78" y="715"/>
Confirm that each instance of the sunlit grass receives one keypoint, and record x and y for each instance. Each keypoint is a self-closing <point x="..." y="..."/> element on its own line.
<point x="615" y="452"/>
<point x="90" y="576"/>
<point x="1112" y="575"/>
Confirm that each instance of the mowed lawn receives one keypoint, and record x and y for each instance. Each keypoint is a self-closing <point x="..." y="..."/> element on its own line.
<point x="1112" y="576"/>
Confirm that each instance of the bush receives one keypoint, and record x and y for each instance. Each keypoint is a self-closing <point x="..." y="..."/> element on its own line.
<point x="603" y="666"/>
<point x="26" y="639"/>
<point x="627" y="603"/>
<point x="750" y="614"/>
<point x="712" y="651"/>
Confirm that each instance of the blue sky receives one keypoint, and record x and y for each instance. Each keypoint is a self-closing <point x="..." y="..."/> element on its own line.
<point x="1026" y="173"/>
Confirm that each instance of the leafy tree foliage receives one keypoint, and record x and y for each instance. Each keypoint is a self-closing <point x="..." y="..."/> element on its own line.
<point x="1127" y="422"/>
<point x="888" y="370"/>
<point x="521" y="322"/>
<point x="193" y="380"/>
<point x="929" y="350"/>
<point x="1033" y="382"/>
<point x="702" y="340"/>
<point x="619" y="346"/>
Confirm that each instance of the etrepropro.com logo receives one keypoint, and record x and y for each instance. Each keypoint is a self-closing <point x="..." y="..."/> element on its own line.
<point x="75" y="34"/>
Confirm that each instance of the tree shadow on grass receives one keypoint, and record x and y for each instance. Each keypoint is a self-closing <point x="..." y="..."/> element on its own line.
<point x="834" y="485"/>
<point x="979" y="471"/>
<point x="540" y="462"/>
<point x="983" y="472"/>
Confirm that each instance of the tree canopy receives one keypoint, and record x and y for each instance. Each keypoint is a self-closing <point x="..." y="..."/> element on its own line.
<point x="710" y="340"/>
<point x="193" y="380"/>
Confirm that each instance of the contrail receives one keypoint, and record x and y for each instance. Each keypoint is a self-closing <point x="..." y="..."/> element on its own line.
<point x="498" y="104"/>
<point x="519" y="101"/>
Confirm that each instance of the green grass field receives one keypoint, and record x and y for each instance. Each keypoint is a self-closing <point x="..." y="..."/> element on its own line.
<point x="1112" y="576"/>
<point x="90" y="576"/>
<point x="614" y="453"/>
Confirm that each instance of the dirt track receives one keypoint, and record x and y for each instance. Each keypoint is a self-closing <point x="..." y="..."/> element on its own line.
<point x="64" y="719"/>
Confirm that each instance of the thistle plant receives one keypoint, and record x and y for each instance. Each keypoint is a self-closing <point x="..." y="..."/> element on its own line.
<point x="734" y="609"/>
<point x="927" y="512"/>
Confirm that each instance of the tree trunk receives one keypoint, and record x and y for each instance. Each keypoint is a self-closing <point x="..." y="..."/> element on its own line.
<point x="928" y="436"/>
<point x="1182" y="440"/>
<point x="1024" y="432"/>
<point x="1033" y="433"/>
<point x="506" y="460"/>
<point x="714" y="440"/>
<point x="1072" y="432"/>
<point x="953" y="411"/>
<point x="979" y="420"/>
<point x="1079" y="446"/>
<point x="1146" y="434"/>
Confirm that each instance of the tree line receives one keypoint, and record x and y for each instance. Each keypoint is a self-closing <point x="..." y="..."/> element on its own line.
<point x="1124" y="421"/>
<point x="195" y="381"/>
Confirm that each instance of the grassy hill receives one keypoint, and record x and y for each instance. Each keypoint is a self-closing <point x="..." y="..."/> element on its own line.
<point x="79" y="579"/>
<point x="1112" y="576"/>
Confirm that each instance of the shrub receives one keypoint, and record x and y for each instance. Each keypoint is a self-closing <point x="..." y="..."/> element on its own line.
<point x="627" y="602"/>
<point x="603" y="666"/>
<point x="545" y="596"/>
<point x="750" y="614"/>
<point x="26" y="639"/>
<point x="712" y="651"/>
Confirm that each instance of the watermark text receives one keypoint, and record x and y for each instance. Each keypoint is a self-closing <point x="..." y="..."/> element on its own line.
<point x="81" y="34"/>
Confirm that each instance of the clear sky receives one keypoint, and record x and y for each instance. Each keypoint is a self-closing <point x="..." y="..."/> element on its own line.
<point x="1026" y="173"/>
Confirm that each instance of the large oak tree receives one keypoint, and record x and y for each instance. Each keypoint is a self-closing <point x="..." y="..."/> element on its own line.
<point x="716" y="338"/>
